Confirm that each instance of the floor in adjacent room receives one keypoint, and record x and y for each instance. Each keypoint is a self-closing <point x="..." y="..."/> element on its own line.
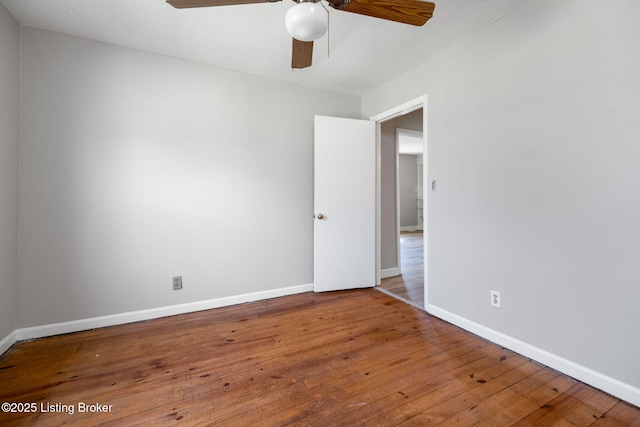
<point x="410" y="285"/>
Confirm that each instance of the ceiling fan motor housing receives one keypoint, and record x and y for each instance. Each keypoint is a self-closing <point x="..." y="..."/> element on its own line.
<point x="339" y="4"/>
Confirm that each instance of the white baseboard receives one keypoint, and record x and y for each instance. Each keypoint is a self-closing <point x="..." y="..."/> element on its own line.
<point x="603" y="382"/>
<point x="153" y="313"/>
<point x="389" y="272"/>
<point x="411" y="228"/>
<point x="7" y="342"/>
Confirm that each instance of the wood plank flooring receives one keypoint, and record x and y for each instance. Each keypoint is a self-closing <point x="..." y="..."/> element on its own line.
<point x="410" y="285"/>
<point x="334" y="359"/>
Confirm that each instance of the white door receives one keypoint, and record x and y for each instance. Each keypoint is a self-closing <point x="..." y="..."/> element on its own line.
<point x="344" y="204"/>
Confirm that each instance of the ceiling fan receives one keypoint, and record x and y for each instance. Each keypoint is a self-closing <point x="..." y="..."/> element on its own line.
<point x="307" y="22"/>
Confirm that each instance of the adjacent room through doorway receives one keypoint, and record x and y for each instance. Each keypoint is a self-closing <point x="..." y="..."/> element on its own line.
<point x="402" y="216"/>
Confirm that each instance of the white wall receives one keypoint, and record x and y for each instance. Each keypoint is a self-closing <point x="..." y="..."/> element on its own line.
<point x="137" y="167"/>
<point x="534" y="140"/>
<point x="9" y="105"/>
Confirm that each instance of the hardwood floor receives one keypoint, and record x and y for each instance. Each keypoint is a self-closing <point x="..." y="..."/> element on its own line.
<point x="334" y="359"/>
<point x="410" y="285"/>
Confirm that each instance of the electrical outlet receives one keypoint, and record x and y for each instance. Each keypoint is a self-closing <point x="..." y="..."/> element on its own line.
<point x="495" y="299"/>
<point x="177" y="283"/>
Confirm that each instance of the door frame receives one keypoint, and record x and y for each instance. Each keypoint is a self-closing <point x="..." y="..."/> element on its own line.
<point x="400" y="110"/>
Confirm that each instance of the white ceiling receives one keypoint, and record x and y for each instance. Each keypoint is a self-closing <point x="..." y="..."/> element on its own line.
<point x="364" y="52"/>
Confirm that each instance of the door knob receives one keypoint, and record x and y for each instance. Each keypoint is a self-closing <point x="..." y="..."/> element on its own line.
<point x="320" y="216"/>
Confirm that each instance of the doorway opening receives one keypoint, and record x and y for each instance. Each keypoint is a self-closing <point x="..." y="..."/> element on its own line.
<point x="402" y="249"/>
<point x="408" y="282"/>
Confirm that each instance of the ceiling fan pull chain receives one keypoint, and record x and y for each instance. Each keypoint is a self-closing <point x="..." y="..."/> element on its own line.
<point x="328" y="28"/>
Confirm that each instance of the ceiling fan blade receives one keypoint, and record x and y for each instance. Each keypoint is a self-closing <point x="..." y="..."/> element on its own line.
<point x="302" y="53"/>
<point x="184" y="4"/>
<point x="413" y="12"/>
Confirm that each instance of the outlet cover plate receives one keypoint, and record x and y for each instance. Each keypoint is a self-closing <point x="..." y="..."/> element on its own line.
<point x="495" y="299"/>
<point x="177" y="283"/>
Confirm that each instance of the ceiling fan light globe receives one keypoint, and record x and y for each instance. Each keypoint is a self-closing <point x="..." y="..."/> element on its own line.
<point x="306" y="21"/>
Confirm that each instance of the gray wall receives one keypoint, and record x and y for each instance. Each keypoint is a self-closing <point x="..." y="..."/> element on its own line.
<point x="388" y="222"/>
<point x="137" y="167"/>
<point x="9" y="104"/>
<point x="407" y="186"/>
<point x="533" y="137"/>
